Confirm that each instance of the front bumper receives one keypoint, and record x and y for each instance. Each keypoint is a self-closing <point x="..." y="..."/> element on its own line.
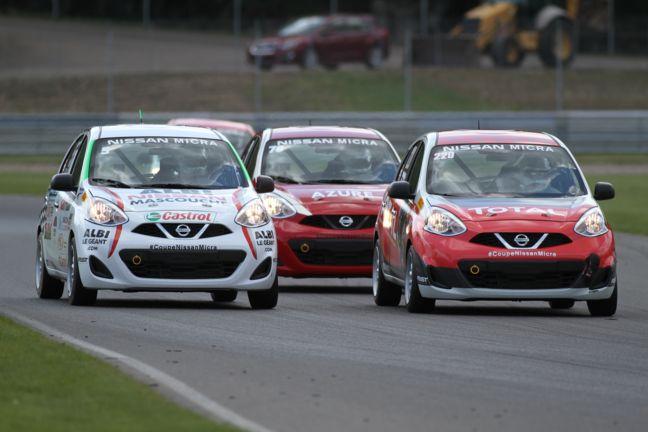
<point x="306" y="251"/>
<point x="243" y="254"/>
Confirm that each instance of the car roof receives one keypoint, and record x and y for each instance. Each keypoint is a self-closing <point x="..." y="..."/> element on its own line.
<point x="141" y="130"/>
<point x="323" y="131"/>
<point x="213" y="124"/>
<point x="494" y="137"/>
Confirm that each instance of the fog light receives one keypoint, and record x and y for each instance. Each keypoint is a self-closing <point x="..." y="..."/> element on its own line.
<point x="136" y="260"/>
<point x="304" y="248"/>
<point x="474" y="269"/>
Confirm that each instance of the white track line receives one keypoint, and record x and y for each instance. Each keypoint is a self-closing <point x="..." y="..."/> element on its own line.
<point x="213" y="409"/>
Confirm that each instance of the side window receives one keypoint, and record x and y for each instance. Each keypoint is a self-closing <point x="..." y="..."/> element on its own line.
<point x="415" y="172"/>
<point x="66" y="165"/>
<point x="247" y="149"/>
<point x="78" y="161"/>
<point x="251" y="159"/>
<point x="406" y="166"/>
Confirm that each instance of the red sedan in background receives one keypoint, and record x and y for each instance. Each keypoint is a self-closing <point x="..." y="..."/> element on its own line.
<point x="236" y="132"/>
<point x="324" y="40"/>
<point x="329" y="184"/>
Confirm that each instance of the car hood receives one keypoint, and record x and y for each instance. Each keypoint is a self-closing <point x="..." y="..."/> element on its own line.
<point x="333" y="198"/>
<point x="499" y="209"/>
<point x="159" y="200"/>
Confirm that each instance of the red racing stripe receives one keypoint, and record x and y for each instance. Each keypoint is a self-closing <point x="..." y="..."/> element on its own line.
<point x="120" y="204"/>
<point x="115" y="240"/>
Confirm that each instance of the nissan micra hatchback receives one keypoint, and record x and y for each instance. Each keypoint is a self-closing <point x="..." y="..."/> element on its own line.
<point x="155" y="208"/>
<point x="493" y="215"/>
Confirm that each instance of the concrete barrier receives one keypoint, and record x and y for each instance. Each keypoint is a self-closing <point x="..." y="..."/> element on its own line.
<point x="583" y="131"/>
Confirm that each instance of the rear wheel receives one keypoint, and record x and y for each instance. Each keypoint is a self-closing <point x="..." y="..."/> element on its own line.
<point x="557" y="43"/>
<point x="375" y="57"/>
<point x="507" y="52"/>
<point x="224" y="296"/>
<point x="606" y="307"/>
<point x="78" y="295"/>
<point x="385" y="293"/>
<point x="561" y="304"/>
<point x="310" y="59"/>
<point x="265" y="299"/>
<point x="47" y="287"/>
<point x="414" y="302"/>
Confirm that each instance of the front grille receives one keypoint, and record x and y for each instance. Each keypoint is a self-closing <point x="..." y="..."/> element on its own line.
<point x="182" y="265"/>
<point x="490" y="239"/>
<point x="149" y="229"/>
<point x="345" y="252"/>
<point x="153" y="230"/>
<point x="335" y="221"/>
<point x="522" y="274"/>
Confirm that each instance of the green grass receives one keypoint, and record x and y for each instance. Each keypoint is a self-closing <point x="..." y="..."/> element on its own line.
<point x="49" y="386"/>
<point x="433" y="89"/>
<point x="628" y="211"/>
<point x="613" y="158"/>
<point x="27" y="159"/>
<point x="24" y="183"/>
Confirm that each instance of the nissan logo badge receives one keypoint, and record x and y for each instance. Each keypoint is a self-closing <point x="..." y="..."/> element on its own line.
<point x="346" y="221"/>
<point x="521" y="240"/>
<point x="182" y="230"/>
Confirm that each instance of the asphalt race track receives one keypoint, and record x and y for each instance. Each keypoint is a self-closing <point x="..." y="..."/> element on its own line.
<point x="327" y="359"/>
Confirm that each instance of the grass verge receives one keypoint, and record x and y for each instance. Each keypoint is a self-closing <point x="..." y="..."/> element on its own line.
<point x="49" y="386"/>
<point x="433" y="89"/>
<point x="628" y="211"/>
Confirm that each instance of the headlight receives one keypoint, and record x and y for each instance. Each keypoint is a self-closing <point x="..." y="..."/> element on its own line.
<point x="442" y="222"/>
<point x="103" y="212"/>
<point x="277" y="206"/>
<point x="252" y="215"/>
<point x="591" y="224"/>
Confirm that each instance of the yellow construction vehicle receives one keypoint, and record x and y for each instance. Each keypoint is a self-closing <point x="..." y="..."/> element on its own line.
<point x="508" y="29"/>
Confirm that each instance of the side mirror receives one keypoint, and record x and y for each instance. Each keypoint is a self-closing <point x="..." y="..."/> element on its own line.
<point x="603" y="191"/>
<point x="400" y="190"/>
<point x="264" y="184"/>
<point x="63" y="183"/>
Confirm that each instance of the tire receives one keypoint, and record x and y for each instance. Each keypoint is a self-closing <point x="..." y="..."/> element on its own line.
<point x="605" y="307"/>
<point x="414" y="302"/>
<point x="224" y="296"/>
<point x="265" y="299"/>
<point x="561" y="304"/>
<point x="47" y="287"/>
<point x="375" y="57"/>
<point x="548" y="44"/>
<point x="78" y="295"/>
<point x="506" y="52"/>
<point x="309" y="59"/>
<point x="385" y="293"/>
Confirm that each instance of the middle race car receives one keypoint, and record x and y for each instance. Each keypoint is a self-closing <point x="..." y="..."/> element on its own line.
<point x="329" y="183"/>
<point x="155" y="208"/>
<point x="493" y="215"/>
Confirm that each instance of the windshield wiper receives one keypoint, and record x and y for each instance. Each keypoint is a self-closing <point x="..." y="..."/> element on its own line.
<point x="342" y="181"/>
<point x="282" y="179"/>
<point x="174" y="186"/>
<point x="111" y="182"/>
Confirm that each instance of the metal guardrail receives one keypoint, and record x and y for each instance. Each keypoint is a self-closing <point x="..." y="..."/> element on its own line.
<point x="582" y="131"/>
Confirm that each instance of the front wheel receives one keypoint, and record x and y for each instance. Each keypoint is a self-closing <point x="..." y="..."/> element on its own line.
<point x="225" y="296"/>
<point x="47" y="287"/>
<point x="414" y="302"/>
<point x="385" y="293"/>
<point x="606" y="307"/>
<point x="265" y="299"/>
<point x="310" y="59"/>
<point x="375" y="57"/>
<point x="78" y="295"/>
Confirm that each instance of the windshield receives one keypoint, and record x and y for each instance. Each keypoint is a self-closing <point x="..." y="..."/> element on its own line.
<point x="173" y="162"/>
<point x="238" y="138"/>
<point x="330" y="160"/>
<point x="503" y="170"/>
<point x="302" y="26"/>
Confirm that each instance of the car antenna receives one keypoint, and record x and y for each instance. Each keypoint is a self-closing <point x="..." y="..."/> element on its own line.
<point x="310" y="122"/>
<point x="478" y="125"/>
<point x="141" y="116"/>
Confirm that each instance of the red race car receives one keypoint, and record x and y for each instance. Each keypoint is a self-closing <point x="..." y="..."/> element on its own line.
<point x="324" y="40"/>
<point x="237" y="133"/>
<point x="329" y="182"/>
<point x="493" y="215"/>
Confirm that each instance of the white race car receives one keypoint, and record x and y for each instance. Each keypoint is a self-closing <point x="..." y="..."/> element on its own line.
<point x="155" y="208"/>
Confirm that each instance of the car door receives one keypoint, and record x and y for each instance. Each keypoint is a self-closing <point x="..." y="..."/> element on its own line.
<point x="330" y="42"/>
<point x="356" y="39"/>
<point x="59" y="220"/>
<point x="390" y="251"/>
<point x="405" y="208"/>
